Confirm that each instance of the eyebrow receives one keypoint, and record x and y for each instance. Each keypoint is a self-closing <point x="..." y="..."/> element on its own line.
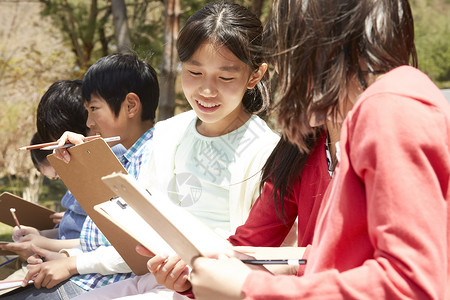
<point x="223" y="68"/>
<point x="90" y="101"/>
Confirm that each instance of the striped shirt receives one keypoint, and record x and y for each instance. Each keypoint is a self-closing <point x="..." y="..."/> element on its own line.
<point x="91" y="238"/>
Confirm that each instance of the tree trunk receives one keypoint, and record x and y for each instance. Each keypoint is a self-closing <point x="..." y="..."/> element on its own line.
<point x="169" y="60"/>
<point x="69" y="19"/>
<point x="121" y="31"/>
<point x="89" y="34"/>
<point x="104" y="40"/>
<point x="83" y="51"/>
<point x="32" y="191"/>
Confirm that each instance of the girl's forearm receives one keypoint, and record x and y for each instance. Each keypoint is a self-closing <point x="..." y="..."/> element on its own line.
<point x="57" y="245"/>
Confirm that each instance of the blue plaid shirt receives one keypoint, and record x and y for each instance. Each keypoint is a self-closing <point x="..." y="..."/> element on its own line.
<point x="91" y="238"/>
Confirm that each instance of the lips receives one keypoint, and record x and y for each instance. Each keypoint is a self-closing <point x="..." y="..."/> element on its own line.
<point x="207" y="107"/>
<point x="206" y="104"/>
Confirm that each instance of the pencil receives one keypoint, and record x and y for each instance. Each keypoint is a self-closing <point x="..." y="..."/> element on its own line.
<point x="53" y="147"/>
<point x="13" y="213"/>
<point x="39" y="146"/>
<point x="110" y="139"/>
<point x="291" y="262"/>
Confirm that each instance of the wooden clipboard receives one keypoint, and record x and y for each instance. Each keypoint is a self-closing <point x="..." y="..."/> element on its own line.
<point x="125" y="217"/>
<point x="6" y="252"/>
<point x="188" y="236"/>
<point x="89" y="162"/>
<point x="28" y="213"/>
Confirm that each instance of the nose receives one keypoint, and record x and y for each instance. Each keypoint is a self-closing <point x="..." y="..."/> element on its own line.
<point x="89" y="122"/>
<point x="208" y="88"/>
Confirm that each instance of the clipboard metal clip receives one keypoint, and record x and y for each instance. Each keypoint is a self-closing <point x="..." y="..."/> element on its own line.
<point x="120" y="202"/>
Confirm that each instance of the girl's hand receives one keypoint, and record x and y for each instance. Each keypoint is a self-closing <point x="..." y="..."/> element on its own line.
<point x="18" y="233"/>
<point x="171" y="272"/>
<point x="67" y="137"/>
<point x="34" y="239"/>
<point x="23" y="249"/>
<point x="41" y="255"/>
<point x="57" y="217"/>
<point x="50" y="273"/>
<point x="218" y="278"/>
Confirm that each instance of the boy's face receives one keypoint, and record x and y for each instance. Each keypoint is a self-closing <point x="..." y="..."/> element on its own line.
<point x="102" y="120"/>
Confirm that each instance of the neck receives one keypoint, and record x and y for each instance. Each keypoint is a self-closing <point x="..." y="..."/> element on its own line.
<point x="135" y="132"/>
<point x="334" y="131"/>
<point x="222" y="127"/>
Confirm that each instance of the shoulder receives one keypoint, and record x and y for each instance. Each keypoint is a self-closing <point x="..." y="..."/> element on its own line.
<point x="408" y="83"/>
<point x="260" y="129"/>
<point x="182" y="118"/>
<point x="172" y="129"/>
<point x="258" y="141"/>
<point x="399" y="114"/>
<point x="402" y="97"/>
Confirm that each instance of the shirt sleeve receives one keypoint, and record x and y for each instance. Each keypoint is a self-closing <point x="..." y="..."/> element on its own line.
<point x="72" y="251"/>
<point x="399" y="148"/>
<point x="264" y="227"/>
<point x="104" y="260"/>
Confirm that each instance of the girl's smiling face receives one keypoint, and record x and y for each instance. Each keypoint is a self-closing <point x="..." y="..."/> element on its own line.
<point x="214" y="82"/>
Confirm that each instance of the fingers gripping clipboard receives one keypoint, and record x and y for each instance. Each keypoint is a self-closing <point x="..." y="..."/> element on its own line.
<point x="184" y="233"/>
<point x="89" y="162"/>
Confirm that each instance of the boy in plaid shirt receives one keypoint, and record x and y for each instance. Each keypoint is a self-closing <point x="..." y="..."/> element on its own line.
<point x="121" y="95"/>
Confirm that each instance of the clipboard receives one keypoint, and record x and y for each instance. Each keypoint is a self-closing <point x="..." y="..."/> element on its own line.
<point x="125" y="217"/>
<point x="188" y="236"/>
<point x="28" y="213"/>
<point x="89" y="162"/>
<point x="6" y="252"/>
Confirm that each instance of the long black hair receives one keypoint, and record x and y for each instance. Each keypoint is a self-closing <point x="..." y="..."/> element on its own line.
<point x="234" y="27"/>
<point x="284" y="165"/>
<point x="321" y="47"/>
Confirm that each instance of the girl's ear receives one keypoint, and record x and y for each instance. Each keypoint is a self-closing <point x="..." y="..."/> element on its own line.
<point x="133" y="104"/>
<point x="257" y="76"/>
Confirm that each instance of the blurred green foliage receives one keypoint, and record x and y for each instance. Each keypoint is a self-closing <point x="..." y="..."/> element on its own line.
<point x="88" y="23"/>
<point x="432" y="36"/>
<point x="50" y="192"/>
<point x="50" y="195"/>
<point x="5" y="232"/>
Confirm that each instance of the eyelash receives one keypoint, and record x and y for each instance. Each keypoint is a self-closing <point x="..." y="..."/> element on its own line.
<point x="223" y="78"/>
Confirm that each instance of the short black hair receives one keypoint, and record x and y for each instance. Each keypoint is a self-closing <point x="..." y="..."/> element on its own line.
<point x="114" y="76"/>
<point x="39" y="157"/>
<point x="61" y="109"/>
